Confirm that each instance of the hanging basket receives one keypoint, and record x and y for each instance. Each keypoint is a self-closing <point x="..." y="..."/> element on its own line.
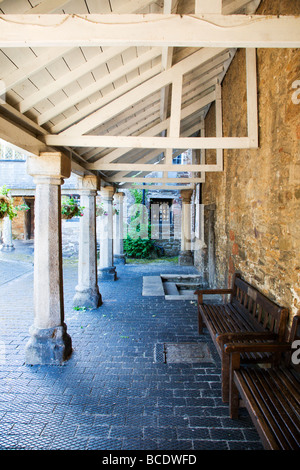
<point x="4" y="205"/>
<point x="70" y="212"/>
<point x="70" y="209"/>
<point x="7" y="208"/>
<point x="100" y="210"/>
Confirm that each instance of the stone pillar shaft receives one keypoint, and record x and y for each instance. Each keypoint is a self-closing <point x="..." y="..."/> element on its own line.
<point x="87" y="291"/>
<point x="48" y="282"/>
<point x="107" y="270"/>
<point x="49" y="342"/>
<point x="119" y="257"/>
<point x="185" y="256"/>
<point x="7" y="242"/>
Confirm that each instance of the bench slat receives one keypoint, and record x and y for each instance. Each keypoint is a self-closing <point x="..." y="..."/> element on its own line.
<point x="290" y="388"/>
<point x="276" y="399"/>
<point x="247" y="321"/>
<point x="272" y="395"/>
<point x="247" y="311"/>
<point x="258" y="297"/>
<point x="259" y="420"/>
<point x="270" y="406"/>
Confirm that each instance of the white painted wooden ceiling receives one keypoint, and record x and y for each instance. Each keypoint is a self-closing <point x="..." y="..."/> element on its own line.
<point x="57" y="88"/>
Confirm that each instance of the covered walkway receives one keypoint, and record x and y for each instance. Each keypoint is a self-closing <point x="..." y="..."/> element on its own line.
<point x="116" y="392"/>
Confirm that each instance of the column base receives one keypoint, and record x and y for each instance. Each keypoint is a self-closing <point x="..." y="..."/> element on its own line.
<point x="7" y="248"/>
<point x="48" y="346"/>
<point x="89" y="298"/>
<point x="107" y="274"/>
<point x="185" y="258"/>
<point x="119" y="259"/>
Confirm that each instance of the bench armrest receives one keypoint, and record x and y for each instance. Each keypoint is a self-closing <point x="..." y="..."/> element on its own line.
<point x="257" y="347"/>
<point x="201" y="292"/>
<point x="245" y="335"/>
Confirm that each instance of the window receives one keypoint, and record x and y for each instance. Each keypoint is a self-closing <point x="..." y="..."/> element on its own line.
<point x="10" y="152"/>
<point x="177" y="160"/>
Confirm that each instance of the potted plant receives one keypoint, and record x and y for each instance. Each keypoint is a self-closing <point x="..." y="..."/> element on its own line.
<point x="70" y="208"/>
<point x="23" y="207"/>
<point x="7" y="208"/>
<point x="100" y="210"/>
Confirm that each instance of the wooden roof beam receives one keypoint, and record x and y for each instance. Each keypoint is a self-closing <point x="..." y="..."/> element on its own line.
<point x="150" y="30"/>
<point x="35" y="65"/>
<point x="121" y="141"/>
<point x="99" y="84"/>
<point x="145" y="89"/>
<point x="69" y="77"/>
<point x="67" y="122"/>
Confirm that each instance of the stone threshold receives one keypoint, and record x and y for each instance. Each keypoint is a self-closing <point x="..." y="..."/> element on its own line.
<point x="171" y="286"/>
<point x="176" y="287"/>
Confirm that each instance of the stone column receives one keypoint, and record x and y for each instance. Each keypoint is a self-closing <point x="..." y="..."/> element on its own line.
<point x="207" y="252"/>
<point x="7" y="239"/>
<point x="49" y="342"/>
<point x="119" y="257"/>
<point x="185" y="255"/>
<point x="107" y="270"/>
<point x="87" y="291"/>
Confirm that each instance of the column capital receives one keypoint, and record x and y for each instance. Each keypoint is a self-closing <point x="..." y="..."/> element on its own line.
<point x="119" y="195"/>
<point x="186" y="194"/>
<point x="89" y="183"/>
<point x="107" y="192"/>
<point x="48" y="166"/>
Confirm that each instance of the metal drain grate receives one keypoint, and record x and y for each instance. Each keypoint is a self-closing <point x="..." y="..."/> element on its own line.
<point x="187" y="353"/>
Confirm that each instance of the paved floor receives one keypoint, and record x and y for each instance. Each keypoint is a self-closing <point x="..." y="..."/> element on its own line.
<point x="116" y="391"/>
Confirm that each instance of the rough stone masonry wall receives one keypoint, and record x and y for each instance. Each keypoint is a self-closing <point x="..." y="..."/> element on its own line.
<point x="257" y="196"/>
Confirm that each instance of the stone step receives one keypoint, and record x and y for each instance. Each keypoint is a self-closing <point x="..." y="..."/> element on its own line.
<point x="170" y="288"/>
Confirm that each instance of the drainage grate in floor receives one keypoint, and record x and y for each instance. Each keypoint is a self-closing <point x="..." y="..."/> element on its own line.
<point x="187" y="353"/>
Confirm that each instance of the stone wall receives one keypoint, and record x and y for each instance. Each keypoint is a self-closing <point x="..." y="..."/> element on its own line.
<point x="257" y="196"/>
<point x="171" y="246"/>
<point x="18" y="224"/>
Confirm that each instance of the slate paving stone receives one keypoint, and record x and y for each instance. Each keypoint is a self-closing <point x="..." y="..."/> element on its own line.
<point x="116" y="392"/>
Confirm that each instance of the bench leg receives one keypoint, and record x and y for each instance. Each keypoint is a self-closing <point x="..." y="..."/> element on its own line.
<point x="233" y="391"/>
<point x="225" y="376"/>
<point x="200" y="323"/>
<point x="200" y="319"/>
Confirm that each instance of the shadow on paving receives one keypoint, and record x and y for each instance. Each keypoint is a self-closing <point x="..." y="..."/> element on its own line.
<point x="117" y="392"/>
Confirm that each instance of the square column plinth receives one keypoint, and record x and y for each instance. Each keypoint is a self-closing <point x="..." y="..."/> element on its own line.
<point x="49" y="342"/>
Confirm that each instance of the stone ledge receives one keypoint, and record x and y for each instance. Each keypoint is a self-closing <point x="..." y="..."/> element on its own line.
<point x="153" y="286"/>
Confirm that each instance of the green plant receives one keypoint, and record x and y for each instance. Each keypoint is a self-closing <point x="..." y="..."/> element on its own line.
<point x="70" y="208"/>
<point x="7" y="208"/>
<point x="101" y="211"/>
<point x="139" y="248"/>
<point x="23" y="207"/>
<point x="137" y="194"/>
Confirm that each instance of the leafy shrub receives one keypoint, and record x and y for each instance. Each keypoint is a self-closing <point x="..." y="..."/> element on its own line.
<point x="140" y="248"/>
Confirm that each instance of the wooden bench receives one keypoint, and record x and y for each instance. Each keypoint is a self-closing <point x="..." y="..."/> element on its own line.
<point x="271" y="396"/>
<point x="248" y="315"/>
